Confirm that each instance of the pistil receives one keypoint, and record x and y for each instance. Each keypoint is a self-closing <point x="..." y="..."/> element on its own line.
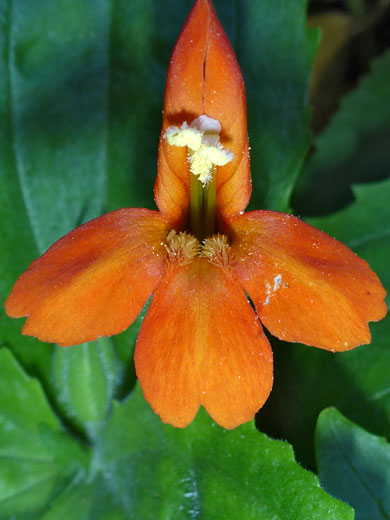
<point x="209" y="206"/>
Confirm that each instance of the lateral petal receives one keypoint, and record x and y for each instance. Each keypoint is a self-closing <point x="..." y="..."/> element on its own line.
<point x="307" y="287"/>
<point x="204" y="78"/>
<point x="202" y="344"/>
<point x="94" y="281"/>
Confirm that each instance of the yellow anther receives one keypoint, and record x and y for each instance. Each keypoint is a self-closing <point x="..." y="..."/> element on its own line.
<point x="217" y="250"/>
<point x="204" y="149"/>
<point x="184" y="136"/>
<point x="181" y="247"/>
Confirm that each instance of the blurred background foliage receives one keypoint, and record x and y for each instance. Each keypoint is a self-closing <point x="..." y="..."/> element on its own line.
<point x="353" y="34"/>
<point x="81" y="93"/>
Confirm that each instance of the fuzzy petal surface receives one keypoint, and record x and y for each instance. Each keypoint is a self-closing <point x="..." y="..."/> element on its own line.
<point x="94" y="281"/>
<point x="204" y="78"/>
<point x="202" y="344"/>
<point x="307" y="287"/>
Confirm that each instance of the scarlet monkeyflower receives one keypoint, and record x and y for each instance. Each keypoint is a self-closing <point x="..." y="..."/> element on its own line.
<point x="201" y="342"/>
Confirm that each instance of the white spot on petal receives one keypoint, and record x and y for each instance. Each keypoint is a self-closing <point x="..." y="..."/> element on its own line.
<point x="277" y="282"/>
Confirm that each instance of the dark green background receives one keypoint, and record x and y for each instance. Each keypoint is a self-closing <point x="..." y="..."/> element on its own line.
<point x="81" y="90"/>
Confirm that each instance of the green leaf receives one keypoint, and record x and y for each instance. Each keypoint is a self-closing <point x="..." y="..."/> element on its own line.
<point x="85" y="501"/>
<point x="85" y="378"/>
<point x="135" y="96"/>
<point x="17" y="243"/>
<point x="364" y="226"/>
<point x="43" y="471"/>
<point x="36" y="457"/>
<point x="356" y="382"/>
<point x="354" y="465"/>
<point x="276" y="51"/>
<point x="352" y="149"/>
<point x="308" y="380"/>
<point x="57" y="101"/>
<point x="158" y="471"/>
<point x="53" y="103"/>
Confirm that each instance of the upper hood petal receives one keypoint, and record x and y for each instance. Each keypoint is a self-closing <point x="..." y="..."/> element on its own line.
<point x="204" y="79"/>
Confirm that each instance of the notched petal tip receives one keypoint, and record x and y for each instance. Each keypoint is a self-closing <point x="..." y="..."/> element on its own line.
<point x="201" y="344"/>
<point x="307" y="287"/>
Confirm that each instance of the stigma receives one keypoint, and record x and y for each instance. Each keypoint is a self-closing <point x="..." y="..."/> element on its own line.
<point x="205" y="151"/>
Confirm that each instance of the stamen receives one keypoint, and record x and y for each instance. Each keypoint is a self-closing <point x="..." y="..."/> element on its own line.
<point x="184" y="136"/>
<point x="217" y="250"/>
<point x="204" y="149"/>
<point x="181" y="247"/>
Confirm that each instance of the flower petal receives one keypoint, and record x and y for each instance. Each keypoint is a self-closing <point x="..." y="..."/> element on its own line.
<point x="201" y="343"/>
<point x="94" y="281"/>
<point x="204" y="78"/>
<point x="307" y="286"/>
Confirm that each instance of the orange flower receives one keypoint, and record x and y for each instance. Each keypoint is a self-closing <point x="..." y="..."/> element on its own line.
<point x="201" y="342"/>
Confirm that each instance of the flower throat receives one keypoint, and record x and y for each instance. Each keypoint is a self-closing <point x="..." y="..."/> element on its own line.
<point x="205" y="153"/>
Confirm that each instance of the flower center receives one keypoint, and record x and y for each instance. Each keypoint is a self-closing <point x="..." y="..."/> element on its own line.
<point x="205" y="154"/>
<point x="182" y="247"/>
